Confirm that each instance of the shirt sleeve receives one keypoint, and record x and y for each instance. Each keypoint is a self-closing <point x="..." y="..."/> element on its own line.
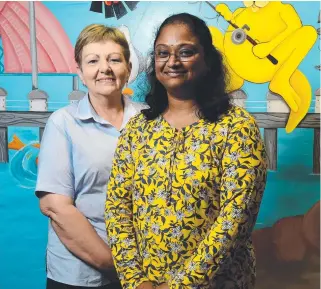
<point x="55" y="170"/>
<point x="243" y="179"/>
<point x="119" y="216"/>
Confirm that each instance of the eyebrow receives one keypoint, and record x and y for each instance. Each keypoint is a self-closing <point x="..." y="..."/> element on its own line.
<point x="94" y="54"/>
<point x="90" y="54"/>
<point x="179" y="45"/>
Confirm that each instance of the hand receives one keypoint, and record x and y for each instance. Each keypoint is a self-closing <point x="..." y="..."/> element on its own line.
<point x="145" y="285"/>
<point x="162" y="286"/>
<point x="223" y="10"/>
<point x="261" y="50"/>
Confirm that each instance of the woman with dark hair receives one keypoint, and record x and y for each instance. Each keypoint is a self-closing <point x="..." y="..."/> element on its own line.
<point x="188" y="173"/>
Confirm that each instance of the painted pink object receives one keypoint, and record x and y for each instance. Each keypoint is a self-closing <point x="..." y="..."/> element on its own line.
<point x="54" y="50"/>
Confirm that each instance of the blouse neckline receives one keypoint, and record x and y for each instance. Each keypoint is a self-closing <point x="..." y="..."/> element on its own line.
<point x="183" y="129"/>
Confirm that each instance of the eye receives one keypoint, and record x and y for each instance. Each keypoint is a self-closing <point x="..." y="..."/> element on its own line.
<point x="115" y="59"/>
<point x="92" y="61"/>
<point x="162" y="53"/>
<point x="186" y="53"/>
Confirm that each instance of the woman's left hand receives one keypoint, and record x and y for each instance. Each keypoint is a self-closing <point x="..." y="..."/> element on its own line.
<point x="162" y="286"/>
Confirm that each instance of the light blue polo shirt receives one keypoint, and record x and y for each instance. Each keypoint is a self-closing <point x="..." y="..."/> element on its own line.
<point x="75" y="160"/>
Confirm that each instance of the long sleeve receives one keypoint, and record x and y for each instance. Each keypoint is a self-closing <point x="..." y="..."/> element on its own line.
<point x="119" y="216"/>
<point x="243" y="177"/>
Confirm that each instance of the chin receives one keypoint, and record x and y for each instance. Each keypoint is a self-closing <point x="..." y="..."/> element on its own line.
<point x="177" y="84"/>
<point x="108" y="90"/>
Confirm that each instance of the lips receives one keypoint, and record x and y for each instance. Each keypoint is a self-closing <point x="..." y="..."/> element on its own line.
<point x="106" y="80"/>
<point x="175" y="74"/>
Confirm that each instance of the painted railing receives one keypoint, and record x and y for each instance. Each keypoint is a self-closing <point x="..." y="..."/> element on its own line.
<point x="270" y="122"/>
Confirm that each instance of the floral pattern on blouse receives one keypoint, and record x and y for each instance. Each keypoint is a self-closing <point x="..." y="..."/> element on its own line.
<point x="181" y="204"/>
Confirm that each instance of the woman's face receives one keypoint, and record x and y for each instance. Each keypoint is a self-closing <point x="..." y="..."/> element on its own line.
<point x="179" y="57"/>
<point x="104" y="69"/>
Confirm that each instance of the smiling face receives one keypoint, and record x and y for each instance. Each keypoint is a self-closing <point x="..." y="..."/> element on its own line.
<point x="103" y="68"/>
<point x="179" y="57"/>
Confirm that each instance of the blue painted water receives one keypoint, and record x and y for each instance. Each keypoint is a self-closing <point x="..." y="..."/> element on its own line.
<point x="23" y="228"/>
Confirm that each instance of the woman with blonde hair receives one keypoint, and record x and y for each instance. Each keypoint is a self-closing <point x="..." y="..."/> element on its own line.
<point x="72" y="187"/>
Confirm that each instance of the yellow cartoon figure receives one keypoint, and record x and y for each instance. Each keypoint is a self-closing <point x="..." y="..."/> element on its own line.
<point x="266" y="42"/>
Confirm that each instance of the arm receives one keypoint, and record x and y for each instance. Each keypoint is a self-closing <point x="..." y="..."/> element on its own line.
<point x="241" y="188"/>
<point x="119" y="217"/>
<point x="55" y="187"/>
<point x="74" y="230"/>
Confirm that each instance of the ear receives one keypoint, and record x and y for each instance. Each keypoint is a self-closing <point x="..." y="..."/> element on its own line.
<point x="80" y="74"/>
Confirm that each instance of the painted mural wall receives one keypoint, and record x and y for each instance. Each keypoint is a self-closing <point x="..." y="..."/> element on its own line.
<point x="272" y="54"/>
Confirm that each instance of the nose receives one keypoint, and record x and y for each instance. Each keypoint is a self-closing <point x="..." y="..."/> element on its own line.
<point x="104" y="66"/>
<point x="173" y="60"/>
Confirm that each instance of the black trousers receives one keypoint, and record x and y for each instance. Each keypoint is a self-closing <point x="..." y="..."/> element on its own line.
<point x="51" y="284"/>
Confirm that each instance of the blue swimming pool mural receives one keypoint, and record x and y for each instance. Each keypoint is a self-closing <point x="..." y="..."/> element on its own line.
<point x="279" y="76"/>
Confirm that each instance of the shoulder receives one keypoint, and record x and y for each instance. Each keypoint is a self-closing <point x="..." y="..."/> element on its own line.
<point x="63" y="116"/>
<point x="136" y="122"/>
<point x="64" y="113"/>
<point x="238" y="117"/>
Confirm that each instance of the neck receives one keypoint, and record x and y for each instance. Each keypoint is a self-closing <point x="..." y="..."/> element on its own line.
<point x="180" y="112"/>
<point x="180" y="105"/>
<point x="109" y="107"/>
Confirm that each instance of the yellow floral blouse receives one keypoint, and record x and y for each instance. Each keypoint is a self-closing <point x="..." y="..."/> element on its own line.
<point x="181" y="204"/>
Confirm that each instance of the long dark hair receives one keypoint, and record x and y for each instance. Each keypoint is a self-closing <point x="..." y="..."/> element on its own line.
<point x="211" y="98"/>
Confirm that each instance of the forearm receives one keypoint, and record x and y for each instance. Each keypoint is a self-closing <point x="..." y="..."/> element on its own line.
<point x="122" y="240"/>
<point x="127" y="260"/>
<point x="79" y="236"/>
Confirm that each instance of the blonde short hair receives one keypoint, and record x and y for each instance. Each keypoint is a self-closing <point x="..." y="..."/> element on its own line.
<point x="98" y="33"/>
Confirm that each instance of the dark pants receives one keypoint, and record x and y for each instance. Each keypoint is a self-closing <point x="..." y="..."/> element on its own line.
<point x="51" y="284"/>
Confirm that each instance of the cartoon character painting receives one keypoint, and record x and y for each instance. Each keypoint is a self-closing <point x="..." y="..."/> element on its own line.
<point x="266" y="42"/>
